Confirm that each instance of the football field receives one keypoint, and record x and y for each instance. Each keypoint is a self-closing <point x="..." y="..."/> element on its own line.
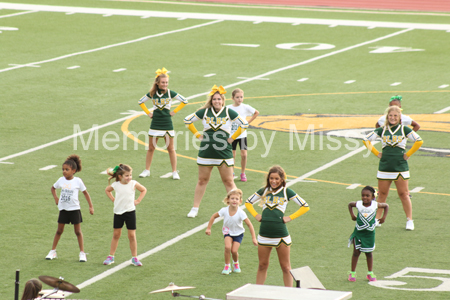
<point x="71" y="75"/>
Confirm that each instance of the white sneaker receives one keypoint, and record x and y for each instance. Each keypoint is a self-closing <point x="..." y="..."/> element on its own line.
<point x="377" y="223"/>
<point x="175" y="175"/>
<point x="83" y="257"/>
<point x="409" y="224"/>
<point x="145" y="173"/>
<point x="193" y="213"/>
<point x="51" y="255"/>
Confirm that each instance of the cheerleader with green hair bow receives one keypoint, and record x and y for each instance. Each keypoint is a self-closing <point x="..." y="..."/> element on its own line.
<point x="406" y="120"/>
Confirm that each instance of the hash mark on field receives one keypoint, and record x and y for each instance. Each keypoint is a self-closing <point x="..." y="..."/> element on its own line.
<point x="443" y="86"/>
<point x="167" y="175"/>
<point x="145" y="17"/>
<point x="334" y="25"/>
<point x="47" y="168"/>
<point x="25" y="65"/>
<point x="303" y="180"/>
<point x="242" y="45"/>
<point x="73" y="67"/>
<point x="252" y="78"/>
<point x="181" y="19"/>
<point x="70" y="13"/>
<point x="395" y="83"/>
<point x="6" y="162"/>
<point x="303" y="79"/>
<point x="257" y="22"/>
<point x="349" y="81"/>
<point x="353" y="186"/>
<point x="416" y="189"/>
<point x="296" y="24"/>
<point x="210" y="75"/>
<point x="108" y="15"/>
<point x="119" y="70"/>
<point x="371" y="27"/>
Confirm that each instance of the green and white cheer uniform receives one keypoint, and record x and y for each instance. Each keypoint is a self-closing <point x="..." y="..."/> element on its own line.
<point x="392" y="164"/>
<point x="273" y="231"/>
<point x="162" y="120"/>
<point x="364" y="234"/>
<point x="214" y="147"/>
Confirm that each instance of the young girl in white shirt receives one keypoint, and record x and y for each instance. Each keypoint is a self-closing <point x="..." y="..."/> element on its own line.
<point x="124" y="209"/>
<point x="244" y="110"/>
<point x="233" y="229"/>
<point x="69" y="205"/>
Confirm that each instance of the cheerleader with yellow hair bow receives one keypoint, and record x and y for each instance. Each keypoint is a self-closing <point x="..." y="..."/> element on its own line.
<point x="161" y="115"/>
<point x="216" y="140"/>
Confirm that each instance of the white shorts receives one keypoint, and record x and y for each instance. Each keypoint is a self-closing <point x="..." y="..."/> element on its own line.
<point x="392" y="175"/>
<point x="214" y="161"/>
<point x="161" y="133"/>
<point x="274" y="242"/>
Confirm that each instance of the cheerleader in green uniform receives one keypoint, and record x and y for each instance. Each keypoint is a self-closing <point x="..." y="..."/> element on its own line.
<point x="215" y="146"/>
<point x="161" y="116"/>
<point x="405" y="120"/>
<point x="393" y="164"/>
<point x="363" y="237"/>
<point x="273" y="232"/>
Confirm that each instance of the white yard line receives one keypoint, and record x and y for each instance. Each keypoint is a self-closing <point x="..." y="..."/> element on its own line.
<point x="442" y="110"/>
<point x="225" y="17"/>
<point x="286" y="7"/>
<point x="108" y="47"/>
<point x="62" y="139"/>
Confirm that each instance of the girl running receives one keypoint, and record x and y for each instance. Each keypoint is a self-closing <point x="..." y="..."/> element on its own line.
<point x="233" y="229"/>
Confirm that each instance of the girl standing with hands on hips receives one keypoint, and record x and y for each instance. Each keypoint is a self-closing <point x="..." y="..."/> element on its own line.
<point x="244" y="110"/>
<point x="69" y="205"/>
<point x="273" y="232"/>
<point x="393" y="164"/>
<point x="215" y="146"/>
<point x="233" y="229"/>
<point x="161" y="126"/>
<point x="363" y="237"/>
<point x="124" y="209"/>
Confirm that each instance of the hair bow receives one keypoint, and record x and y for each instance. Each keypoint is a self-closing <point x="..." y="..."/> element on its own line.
<point x="397" y="97"/>
<point x="161" y="71"/>
<point x="216" y="89"/>
<point x="115" y="169"/>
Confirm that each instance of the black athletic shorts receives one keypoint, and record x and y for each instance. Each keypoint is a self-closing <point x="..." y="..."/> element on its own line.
<point x="129" y="218"/>
<point x="242" y="144"/>
<point x="70" y="216"/>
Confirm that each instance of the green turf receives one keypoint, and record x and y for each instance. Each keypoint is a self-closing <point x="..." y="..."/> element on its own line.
<point x="42" y="105"/>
